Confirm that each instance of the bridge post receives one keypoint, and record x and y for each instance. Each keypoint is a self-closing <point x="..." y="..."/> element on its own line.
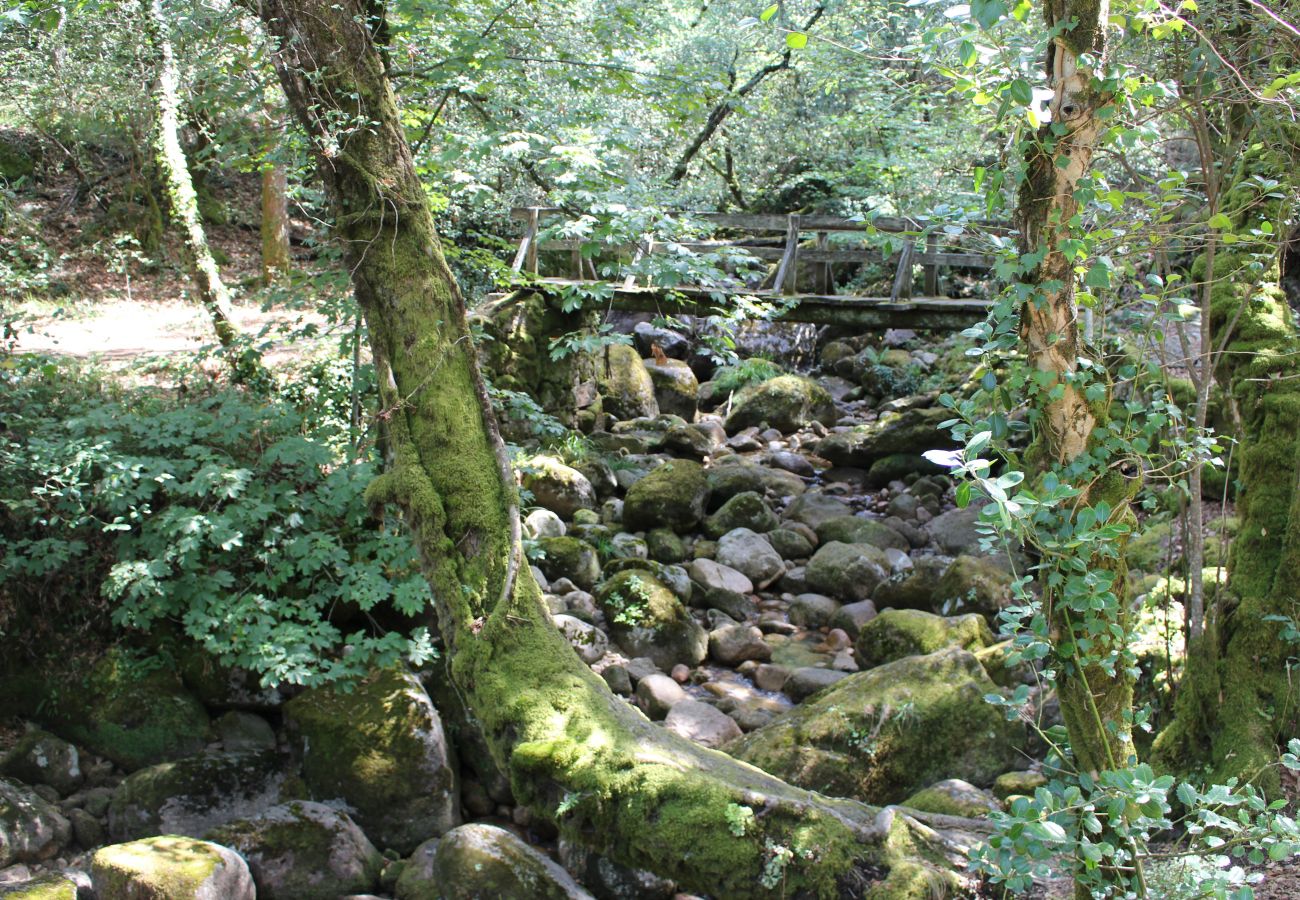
<point x="787" y="271"/>
<point x="931" y="268"/>
<point x="903" y="275"/>
<point x="825" y="281"/>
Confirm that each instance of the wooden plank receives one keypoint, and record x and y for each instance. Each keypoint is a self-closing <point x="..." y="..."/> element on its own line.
<point x="931" y="283"/>
<point x="847" y="255"/>
<point x="787" y="271"/>
<point x="824" y="282"/>
<point x="903" y="274"/>
<point x="534" y="216"/>
<point x="528" y="245"/>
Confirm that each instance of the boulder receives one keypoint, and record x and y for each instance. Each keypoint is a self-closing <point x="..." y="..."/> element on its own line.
<point x="912" y="431"/>
<point x="479" y="861"/>
<point x="813" y="610"/>
<point x="646" y="619"/>
<point x="625" y="386"/>
<point x="303" y="850"/>
<point x="750" y="554"/>
<point x="665" y="546"/>
<point x="169" y="867"/>
<point x="675" y="386"/>
<point x="851" y="617"/>
<point x="815" y="508"/>
<point x="733" y="644"/>
<point x="542" y="523"/>
<point x="722" y="588"/>
<point x="1018" y="784"/>
<point x="861" y="530"/>
<point x="241" y="731"/>
<point x="656" y="694"/>
<point x="416" y="879"/>
<point x="191" y="796"/>
<point x="747" y="509"/>
<point x="897" y="633"/>
<point x="954" y="532"/>
<point x="881" y="735"/>
<point x="380" y="749"/>
<point x="733" y="475"/>
<point x="557" y="487"/>
<point x="699" y="722"/>
<point x="41" y="758"/>
<point x="790" y="543"/>
<point x="31" y="828"/>
<point x="610" y="880"/>
<point x="973" y="584"/>
<point x="916" y="588"/>
<point x="846" y="572"/>
<point x="45" y="887"/>
<point x="953" y="797"/>
<point x="568" y="557"/>
<point x="787" y="403"/>
<point x="673" y="496"/>
<point x="588" y="640"/>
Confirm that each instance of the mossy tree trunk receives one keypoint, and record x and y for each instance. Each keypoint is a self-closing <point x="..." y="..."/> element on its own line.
<point x="1095" y="703"/>
<point x="572" y="750"/>
<point x="182" y="200"/>
<point x="275" y="222"/>
<point x="1238" y="699"/>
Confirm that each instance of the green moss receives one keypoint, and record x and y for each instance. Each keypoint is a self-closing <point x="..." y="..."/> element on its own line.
<point x="569" y="557"/>
<point x="1012" y="784"/>
<point x="47" y="887"/>
<point x="166" y="866"/>
<point x="948" y="801"/>
<point x="897" y="633"/>
<point x="673" y="496"/>
<point x="744" y="510"/>
<point x="787" y="403"/>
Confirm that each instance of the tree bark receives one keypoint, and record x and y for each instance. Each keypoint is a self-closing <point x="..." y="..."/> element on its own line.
<point x="275" y="223"/>
<point x="573" y="752"/>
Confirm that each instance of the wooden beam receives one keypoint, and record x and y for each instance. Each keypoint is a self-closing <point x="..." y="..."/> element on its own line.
<point x="903" y="274"/>
<point x="787" y="271"/>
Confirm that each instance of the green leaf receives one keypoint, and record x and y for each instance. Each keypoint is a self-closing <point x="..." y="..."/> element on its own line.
<point x="987" y="12"/>
<point x="767" y="14"/>
<point x="1220" y="221"/>
<point x="1021" y="92"/>
<point x="796" y="40"/>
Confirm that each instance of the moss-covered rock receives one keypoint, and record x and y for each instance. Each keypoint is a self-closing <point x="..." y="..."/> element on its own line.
<point x="381" y="749"/>
<point x="734" y="475"/>
<point x="973" y="584"/>
<point x="647" y="619"/>
<point x="569" y="557"/>
<point x="478" y="861"/>
<point x="861" y="530"/>
<point x="786" y="403"/>
<point x="42" y="758"/>
<point x="747" y="509"/>
<point x="193" y="795"/>
<point x="847" y="572"/>
<point x="897" y="466"/>
<point x="47" y="887"/>
<point x="884" y="734"/>
<point x="665" y="546"/>
<point x="218" y="686"/>
<point x="561" y="489"/>
<point x="303" y="850"/>
<point x="1018" y="784"/>
<point x="674" y="496"/>
<point x="915" y="588"/>
<point x="912" y="432"/>
<point x="169" y="867"/>
<point x="814" y="509"/>
<point x="953" y="797"/>
<point x="31" y="828"/>
<point x="897" y="633"/>
<point x="625" y="386"/>
<point x="675" y="385"/>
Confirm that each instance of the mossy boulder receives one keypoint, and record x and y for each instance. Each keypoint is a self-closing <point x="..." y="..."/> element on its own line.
<point x="647" y="619"/>
<point x="193" y="795"/>
<point x="747" y="509"/>
<point x="625" y="387"/>
<point x="666" y="546"/>
<point x="786" y="403"/>
<point x="897" y="466"/>
<point x="47" y="887"/>
<point x="675" y="386"/>
<point x="561" y="489"/>
<point x="973" y="584"/>
<point x="861" y="530"/>
<point x="912" y="432"/>
<point x="882" y="735"/>
<point x="1018" y="784"/>
<point x="218" y="686"/>
<point x="896" y="633"/>
<point x="170" y="867"/>
<point x="42" y="758"/>
<point x="31" y="828"/>
<point x="673" y="495"/>
<point x="846" y="572"/>
<point x="734" y="475"/>
<point x="303" y="850"/>
<point x="569" y="557"/>
<point x="381" y="749"/>
<point x="953" y="797"/>
<point x="815" y="509"/>
<point x="916" y="588"/>
<point x="479" y="861"/>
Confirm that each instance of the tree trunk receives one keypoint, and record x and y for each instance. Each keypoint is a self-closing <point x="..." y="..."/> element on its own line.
<point x="275" y="223"/>
<point x="1237" y="700"/>
<point x="573" y="752"/>
<point x="181" y="198"/>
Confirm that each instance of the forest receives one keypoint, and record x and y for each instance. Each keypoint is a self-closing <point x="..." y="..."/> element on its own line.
<point x="705" y="450"/>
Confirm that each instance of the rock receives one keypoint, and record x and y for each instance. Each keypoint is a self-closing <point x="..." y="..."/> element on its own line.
<point x="170" y="868"/>
<point x="656" y="694"/>
<point x="1022" y="784"/>
<point x="699" y="722"/>
<point x="240" y="731"/>
<point x="897" y="466"/>
<point x="747" y="509"/>
<point x="542" y="523"/>
<point x="558" y="487"/>
<point x="642" y="667"/>
<point x="722" y="588"/>
<point x="625" y="386"/>
<point x="881" y="735"/>
<point x="673" y="577"/>
<point x="610" y="880"/>
<point x="647" y="619"/>
<point x="813" y="610"/>
<point x="790" y="544"/>
<point x="191" y="796"/>
<point x="954" y="531"/>
<point x="478" y="861"/>
<point x="897" y="633"/>
<point x="792" y="462"/>
<point x="787" y="403"/>
<point x="912" y="432"/>
<point x="808" y="680"/>
<point x="815" y="508"/>
<point x="846" y="572"/>
<point x="303" y="850"/>
<point x="664" y="545"/>
<point x="588" y="640"/>
<point x="670" y="342"/>
<point x="769" y="677"/>
<point x="750" y="554"/>
<point x="973" y="584"/>
<point x="675" y="386"/>
<point x="851" y="617"/>
<point x="87" y="830"/>
<point x="734" y="475"/>
<point x="916" y="588"/>
<point x="381" y="749"/>
<point x="46" y="887"/>
<point x="860" y="530"/>
<point x="41" y="758"/>
<point x="31" y="828"/>
<point x="569" y="557"/>
<point x="953" y="797"/>
<point x="673" y="496"/>
<point x="627" y="546"/>
<point x="732" y="644"/>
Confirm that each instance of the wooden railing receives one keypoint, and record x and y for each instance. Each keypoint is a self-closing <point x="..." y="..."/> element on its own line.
<point x="932" y="250"/>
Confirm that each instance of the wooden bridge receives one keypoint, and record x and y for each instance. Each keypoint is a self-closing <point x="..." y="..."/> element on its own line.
<point x="772" y="238"/>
